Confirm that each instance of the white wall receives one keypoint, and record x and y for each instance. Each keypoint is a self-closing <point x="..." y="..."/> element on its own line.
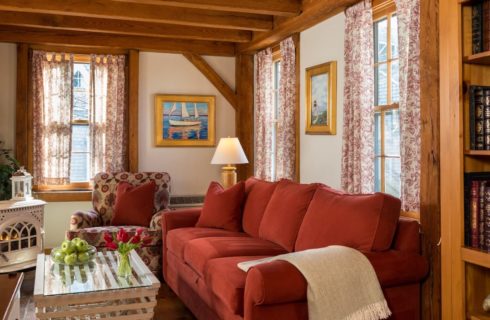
<point x="159" y="73"/>
<point x="189" y="168"/>
<point x="320" y="155"/>
<point x="8" y="78"/>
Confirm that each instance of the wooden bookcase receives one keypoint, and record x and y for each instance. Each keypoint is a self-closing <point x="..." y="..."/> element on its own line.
<point x="465" y="271"/>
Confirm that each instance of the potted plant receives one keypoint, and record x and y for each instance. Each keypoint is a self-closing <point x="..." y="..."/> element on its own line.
<point x="8" y="165"/>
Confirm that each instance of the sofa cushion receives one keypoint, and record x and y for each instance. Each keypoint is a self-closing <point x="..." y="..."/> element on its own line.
<point x="198" y="252"/>
<point x="134" y="204"/>
<point x="223" y="208"/>
<point x="227" y="281"/>
<point x="364" y="222"/>
<point x="285" y="211"/>
<point x="177" y="239"/>
<point x="257" y="195"/>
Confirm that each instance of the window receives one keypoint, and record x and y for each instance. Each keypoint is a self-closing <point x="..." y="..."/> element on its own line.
<point x="276" y="103"/>
<point x="386" y="98"/>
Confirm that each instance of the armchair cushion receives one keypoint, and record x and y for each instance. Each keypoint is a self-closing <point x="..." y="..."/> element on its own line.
<point x="134" y="204"/>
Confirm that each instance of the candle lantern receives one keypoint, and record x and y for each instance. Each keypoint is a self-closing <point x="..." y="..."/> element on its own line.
<point x="21" y="185"/>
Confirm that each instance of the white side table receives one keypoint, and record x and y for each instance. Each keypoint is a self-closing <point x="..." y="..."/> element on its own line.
<point x="21" y="234"/>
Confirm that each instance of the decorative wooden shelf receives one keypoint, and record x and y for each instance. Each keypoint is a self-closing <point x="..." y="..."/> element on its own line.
<point x="479" y="58"/>
<point x="475" y="256"/>
<point x="477" y="152"/>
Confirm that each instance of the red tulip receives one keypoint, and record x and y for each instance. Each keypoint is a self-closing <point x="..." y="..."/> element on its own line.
<point x="135" y="239"/>
<point x="122" y="236"/>
<point x="108" y="237"/>
<point x="139" y="231"/>
<point x="111" y="246"/>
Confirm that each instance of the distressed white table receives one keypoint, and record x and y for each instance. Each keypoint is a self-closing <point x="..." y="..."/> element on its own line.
<point x="93" y="291"/>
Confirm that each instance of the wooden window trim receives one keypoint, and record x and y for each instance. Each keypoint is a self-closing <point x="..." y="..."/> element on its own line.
<point x="24" y="115"/>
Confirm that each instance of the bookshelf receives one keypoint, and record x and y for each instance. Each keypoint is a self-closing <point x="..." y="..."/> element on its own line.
<point x="465" y="270"/>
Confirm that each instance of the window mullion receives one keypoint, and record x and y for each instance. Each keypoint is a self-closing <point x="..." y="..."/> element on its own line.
<point x="382" y="158"/>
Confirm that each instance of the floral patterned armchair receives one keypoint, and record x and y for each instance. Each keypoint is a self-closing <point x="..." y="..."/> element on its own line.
<point x="91" y="225"/>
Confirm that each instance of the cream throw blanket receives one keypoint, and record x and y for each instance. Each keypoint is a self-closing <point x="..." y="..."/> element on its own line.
<point x="342" y="283"/>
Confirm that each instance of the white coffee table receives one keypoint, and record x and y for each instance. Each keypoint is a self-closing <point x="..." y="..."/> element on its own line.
<point x="94" y="291"/>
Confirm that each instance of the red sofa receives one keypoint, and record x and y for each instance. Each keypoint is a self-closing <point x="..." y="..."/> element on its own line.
<point x="200" y="264"/>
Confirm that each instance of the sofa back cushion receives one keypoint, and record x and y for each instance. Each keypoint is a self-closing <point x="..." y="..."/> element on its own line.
<point x="364" y="222"/>
<point x="222" y="208"/>
<point x="285" y="211"/>
<point x="105" y="184"/>
<point x="257" y="196"/>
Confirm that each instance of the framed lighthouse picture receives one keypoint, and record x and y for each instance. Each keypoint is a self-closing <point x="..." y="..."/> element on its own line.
<point x="184" y="121"/>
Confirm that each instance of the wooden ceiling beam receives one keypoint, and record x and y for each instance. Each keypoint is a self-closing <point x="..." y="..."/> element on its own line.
<point x="84" y="39"/>
<point x="142" y="12"/>
<point x="313" y="13"/>
<point x="285" y="8"/>
<point x="213" y="77"/>
<point x="61" y="22"/>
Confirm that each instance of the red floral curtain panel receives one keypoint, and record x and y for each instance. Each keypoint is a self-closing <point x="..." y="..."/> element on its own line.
<point x="358" y="133"/>
<point x="52" y="111"/>
<point x="108" y="129"/>
<point x="408" y="12"/>
<point x="286" y="133"/>
<point x="264" y="117"/>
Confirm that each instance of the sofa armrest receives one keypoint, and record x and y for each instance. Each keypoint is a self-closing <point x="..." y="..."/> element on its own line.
<point x="156" y="220"/>
<point x="180" y="219"/>
<point x="84" y="219"/>
<point x="265" y="284"/>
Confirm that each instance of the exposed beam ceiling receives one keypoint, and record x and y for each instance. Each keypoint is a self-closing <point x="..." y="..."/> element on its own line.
<point x="51" y="21"/>
<point x="269" y="7"/>
<point x="78" y="38"/>
<point x="142" y="12"/>
<point x="314" y="11"/>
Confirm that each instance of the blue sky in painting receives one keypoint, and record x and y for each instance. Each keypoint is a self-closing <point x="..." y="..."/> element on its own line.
<point x="319" y="92"/>
<point x="202" y="108"/>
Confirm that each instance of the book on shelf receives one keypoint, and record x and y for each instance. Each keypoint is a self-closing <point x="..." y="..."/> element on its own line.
<point x="477" y="210"/>
<point x="479" y="117"/>
<point x="477" y="27"/>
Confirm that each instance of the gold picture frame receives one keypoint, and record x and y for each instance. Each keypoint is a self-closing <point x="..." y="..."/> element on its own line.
<point x="321" y="99"/>
<point x="184" y="120"/>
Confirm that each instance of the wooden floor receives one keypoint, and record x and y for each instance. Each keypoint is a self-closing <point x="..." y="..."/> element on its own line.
<point x="169" y="307"/>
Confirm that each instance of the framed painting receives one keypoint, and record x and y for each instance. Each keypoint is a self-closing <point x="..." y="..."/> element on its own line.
<point x="184" y="121"/>
<point x="321" y="98"/>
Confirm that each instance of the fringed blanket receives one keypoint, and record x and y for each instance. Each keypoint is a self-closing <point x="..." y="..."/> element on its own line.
<point x="342" y="283"/>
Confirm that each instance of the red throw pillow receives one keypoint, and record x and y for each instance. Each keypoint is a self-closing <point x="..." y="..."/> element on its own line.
<point x="285" y="212"/>
<point x="222" y="208"/>
<point x="134" y="204"/>
<point x="360" y="221"/>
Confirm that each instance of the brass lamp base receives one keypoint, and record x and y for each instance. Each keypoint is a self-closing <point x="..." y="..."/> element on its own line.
<point x="228" y="176"/>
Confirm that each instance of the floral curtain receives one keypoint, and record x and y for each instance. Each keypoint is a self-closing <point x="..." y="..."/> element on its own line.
<point x="52" y="111"/>
<point x="263" y="115"/>
<point x="286" y="133"/>
<point x="358" y="133"/>
<point x="108" y="134"/>
<point x="408" y="12"/>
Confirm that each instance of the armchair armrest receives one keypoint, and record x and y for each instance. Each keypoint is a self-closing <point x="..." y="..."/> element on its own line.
<point x="180" y="219"/>
<point x="156" y="220"/>
<point x="84" y="219"/>
<point x="265" y="283"/>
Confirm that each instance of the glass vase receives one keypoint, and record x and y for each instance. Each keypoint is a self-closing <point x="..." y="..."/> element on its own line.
<point x="124" y="269"/>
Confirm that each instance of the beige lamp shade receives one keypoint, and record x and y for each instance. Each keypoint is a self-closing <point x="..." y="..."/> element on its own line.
<point x="229" y="151"/>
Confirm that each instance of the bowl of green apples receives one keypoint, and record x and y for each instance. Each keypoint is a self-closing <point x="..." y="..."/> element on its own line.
<point x="73" y="252"/>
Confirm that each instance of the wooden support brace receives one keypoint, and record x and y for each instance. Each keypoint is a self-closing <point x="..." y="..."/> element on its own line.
<point x="213" y="77"/>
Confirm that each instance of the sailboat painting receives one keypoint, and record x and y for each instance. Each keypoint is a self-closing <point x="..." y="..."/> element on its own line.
<point x="184" y="120"/>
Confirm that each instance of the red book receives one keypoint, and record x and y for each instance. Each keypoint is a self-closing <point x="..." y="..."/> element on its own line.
<point x="475" y="204"/>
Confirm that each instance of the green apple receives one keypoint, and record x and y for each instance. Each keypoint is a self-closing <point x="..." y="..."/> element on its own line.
<point x="75" y="241"/>
<point x="71" y="259"/>
<point x="67" y="247"/>
<point x="82" y="246"/>
<point x="59" y="256"/>
<point x="83" y="257"/>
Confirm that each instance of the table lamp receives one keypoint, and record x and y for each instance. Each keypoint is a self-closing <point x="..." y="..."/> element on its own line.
<point x="229" y="152"/>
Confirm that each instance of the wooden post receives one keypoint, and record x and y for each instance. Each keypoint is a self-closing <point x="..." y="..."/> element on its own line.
<point x="430" y="201"/>
<point x="133" y="110"/>
<point x="21" y="112"/>
<point x="244" y="118"/>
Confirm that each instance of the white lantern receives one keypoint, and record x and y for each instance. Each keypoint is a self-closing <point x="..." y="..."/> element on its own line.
<point x="21" y="185"/>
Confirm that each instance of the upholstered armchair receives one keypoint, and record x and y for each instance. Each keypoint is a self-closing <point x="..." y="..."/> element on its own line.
<point x="91" y="225"/>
